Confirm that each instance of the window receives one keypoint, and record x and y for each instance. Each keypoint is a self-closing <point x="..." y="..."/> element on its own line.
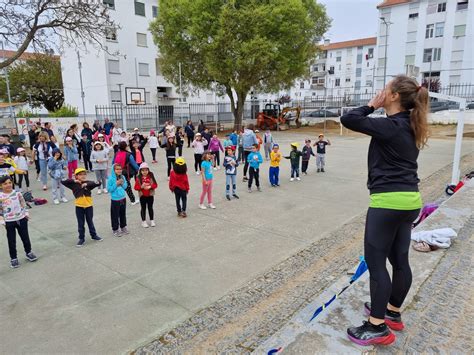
<point x="143" y="69"/>
<point x="109" y="4"/>
<point x="139" y="8"/>
<point x="381" y="62"/>
<point x="442" y="7"/>
<point x="368" y="64"/>
<point x="371" y="53"/>
<point x="339" y="67"/>
<point x="338" y="82"/>
<point x="409" y="59"/>
<point x="459" y="30"/>
<point x="462" y="5"/>
<point x="147" y="97"/>
<point x="439" y="30"/>
<point x="141" y="39"/>
<point x="437" y="54"/>
<point x="302" y="85"/>
<point x="429" y="31"/>
<point x="157" y="66"/>
<point x="359" y="58"/>
<point x="358" y="72"/>
<point x="338" y="59"/>
<point x="431" y="54"/>
<point x="413" y="15"/>
<point x="324" y="67"/>
<point x="115" y="97"/>
<point x="357" y="85"/>
<point x="411" y="36"/>
<point x="111" y="34"/>
<point x="154" y="11"/>
<point x="321" y="81"/>
<point x="331" y="70"/>
<point x="348" y="80"/>
<point x="314" y="80"/>
<point x="114" y="66"/>
<point x="368" y="83"/>
<point x="431" y="9"/>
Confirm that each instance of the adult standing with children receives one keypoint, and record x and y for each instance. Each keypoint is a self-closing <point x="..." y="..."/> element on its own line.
<point x="395" y="200"/>
<point x="249" y="139"/>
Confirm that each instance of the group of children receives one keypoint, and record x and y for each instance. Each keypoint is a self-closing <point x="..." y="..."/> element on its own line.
<point x="14" y="215"/>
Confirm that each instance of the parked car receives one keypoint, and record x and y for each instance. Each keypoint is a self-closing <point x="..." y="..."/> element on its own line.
<point x="470" y="105"/>
<point x="319" y="114"/>
<point x="436" y="106"/>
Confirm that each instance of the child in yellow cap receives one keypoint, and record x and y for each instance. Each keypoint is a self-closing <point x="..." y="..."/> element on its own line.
<point x="179" y="185"/>
<point x="82" y="191"/>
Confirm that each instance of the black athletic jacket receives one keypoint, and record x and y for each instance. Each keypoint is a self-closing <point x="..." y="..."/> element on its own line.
<point x="392" y="151"/>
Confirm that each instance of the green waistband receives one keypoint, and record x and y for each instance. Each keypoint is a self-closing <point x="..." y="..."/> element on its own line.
<point x="405" y="201"/>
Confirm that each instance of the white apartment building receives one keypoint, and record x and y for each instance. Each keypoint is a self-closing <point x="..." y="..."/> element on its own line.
<point x="426" y="38"/>
<point x="344" y="68"/>
<point x="111" y="78"/>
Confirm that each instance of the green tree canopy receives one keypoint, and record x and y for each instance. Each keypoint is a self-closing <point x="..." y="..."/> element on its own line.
<point x="36" y="80"/>
<point x="236" y="46"/>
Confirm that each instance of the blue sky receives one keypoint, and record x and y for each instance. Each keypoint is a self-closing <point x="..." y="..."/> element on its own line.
<point x="351" y="19"/>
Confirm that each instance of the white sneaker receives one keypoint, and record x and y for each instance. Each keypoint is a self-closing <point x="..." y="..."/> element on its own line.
<point x="202" y="207"/>
<point x="105" y="191"/>
<point x="218" y="168"/>
<point x="198" y="173"/>
<point x="144" y="224"/>
<point x="64" y="199"/>
<point x="212" y="206"/>
<point x="299" y="179"/>
<point x="215" y="168"/>
<point x="56" y="202"/>
<point x="292" y="179"/>
<point x="135" y="203"/>
<point x="99" y="191"/>
<point x="152" y="223"/>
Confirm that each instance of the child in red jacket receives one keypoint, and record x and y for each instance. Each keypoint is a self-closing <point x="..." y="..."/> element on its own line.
<point x="145" y="184"/>
<point x="179" y="185"/>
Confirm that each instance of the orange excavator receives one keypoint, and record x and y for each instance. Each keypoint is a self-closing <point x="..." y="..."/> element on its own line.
<point x="273" y="117"/>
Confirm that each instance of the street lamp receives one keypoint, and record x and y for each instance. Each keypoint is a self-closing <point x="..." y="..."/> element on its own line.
<point x="79" y="64"/>
<point x="387" y="25"/>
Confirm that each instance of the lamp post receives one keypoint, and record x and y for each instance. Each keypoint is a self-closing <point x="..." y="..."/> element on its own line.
<point x="12" y="114"/>
<point x="387" y="25"/>
<point x="124" y="124"/>
<point x="79" y="64"/>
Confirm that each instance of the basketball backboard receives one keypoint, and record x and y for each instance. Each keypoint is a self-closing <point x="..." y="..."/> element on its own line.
<point x="135" y="96"/>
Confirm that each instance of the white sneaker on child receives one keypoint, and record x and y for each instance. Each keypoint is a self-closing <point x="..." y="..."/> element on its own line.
<point x="105" y="191"/>
<point x="99" y="191"/>
<point x="292" y="179"/>
<point x="198" y="173"/>
<point x="212" y="206"/>
<point x="64" y="199"/>
<point x="202" y="207"/>
<point x="299" y="179"/>
<point x="56" y="202"/>
<point x="135" y="203"/>
<point x="144" y="224"/>
<point x="152" y="223"/>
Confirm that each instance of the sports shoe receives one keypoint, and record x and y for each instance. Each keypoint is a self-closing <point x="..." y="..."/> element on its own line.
<point x="292" y="179"/>
<point x="198" y="173"/>
<point x="97" y="238"/>
<point x="249" y="190"/>
<point x="393" y="320"/>
<point x="215" y="168"/>
<point x="369" y="334"/>
<point x="45" y="187"/>
<point x="211" y="206"/>
<point x="99" y="192"/>
<point x="227" y="197"/>
<point x="80" y="243"/>
<point x="298" y="178"/>
<point x="236" y="196"/>
<point x="152" y="223"/>
<point x="31" y="256"/>
<point x="105" y="191"/>
<point x="183" y="214"/>
<point x="218" y="168"/>
<point x="319" y="170"/>
<point x="56" y="201"/>
<point x="202" y="207"/>
<point x="322" y="170"/>
<point x="180" y="214"/>
<point x="259" y="189"/>
<point x="64" y="199"/>
<point x="277" y="185"/>
<point x="116" y="233"/>
<point x="125" y="231"/>
<point x="245" y="178"/>
<point x="135" y="203"/>
<point x="144" y="224"/>
<point x="14" y="263"/>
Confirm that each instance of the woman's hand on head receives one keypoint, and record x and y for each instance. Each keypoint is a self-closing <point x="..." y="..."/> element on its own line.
<point x="377" y="101"/>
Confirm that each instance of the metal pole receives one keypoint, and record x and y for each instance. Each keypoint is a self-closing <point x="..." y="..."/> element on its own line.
<point x="180" y="94"/>
<point x="136" y="73"/>
<point x="429" y="81"/>
<point x="124" y="123"/>
<point x="12" y="114"/>
<point x="79" y="64"/>
<point x="458" y="144"/>
<point x="386" y="48"/>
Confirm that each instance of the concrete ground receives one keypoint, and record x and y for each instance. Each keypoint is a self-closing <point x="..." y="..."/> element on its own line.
<point x="113" y="296"/>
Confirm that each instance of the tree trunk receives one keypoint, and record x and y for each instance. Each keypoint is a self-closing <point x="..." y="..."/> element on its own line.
<point x="237" y="107"/>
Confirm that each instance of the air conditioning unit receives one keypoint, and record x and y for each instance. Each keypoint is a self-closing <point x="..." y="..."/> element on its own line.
<point x="413" y="71"/>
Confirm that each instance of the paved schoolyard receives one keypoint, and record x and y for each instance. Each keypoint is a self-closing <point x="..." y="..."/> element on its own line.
<point x="111" y="297"/>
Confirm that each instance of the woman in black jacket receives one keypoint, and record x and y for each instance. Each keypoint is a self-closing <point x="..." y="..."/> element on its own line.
<point x="395" y="200"/>
<point x="189" y="130"/>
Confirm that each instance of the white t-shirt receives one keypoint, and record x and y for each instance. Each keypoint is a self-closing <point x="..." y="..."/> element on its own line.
<point x="40" y="151"/>
<point x="153" y="142"/>
<point x="21" y="162"/>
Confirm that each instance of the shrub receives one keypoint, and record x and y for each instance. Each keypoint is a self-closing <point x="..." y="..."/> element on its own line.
<point x="65" y="111"/>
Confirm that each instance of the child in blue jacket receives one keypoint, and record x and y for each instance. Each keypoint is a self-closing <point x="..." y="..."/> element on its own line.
<point x="116" y="185"/>
<point x="254" y="159"/>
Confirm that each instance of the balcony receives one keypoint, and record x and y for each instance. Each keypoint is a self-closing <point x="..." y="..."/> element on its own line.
<point x="318" y="74"/>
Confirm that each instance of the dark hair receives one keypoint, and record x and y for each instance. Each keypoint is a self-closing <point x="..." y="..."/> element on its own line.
<point x="251" y="126"/>
<point x="180" y="169"/>
<point x="84" y="125"/>
<point x="416" y="99"/>
<point x="122" y="146"/>
<point x="150" y="174"/>
<point x="4" y="179"/>
<point x="255" y="145"/>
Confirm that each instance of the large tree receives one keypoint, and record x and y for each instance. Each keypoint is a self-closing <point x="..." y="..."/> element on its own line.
<point x="46" y="24"/>
<point x="37" y="80"/>
<point x="236" y="46"/>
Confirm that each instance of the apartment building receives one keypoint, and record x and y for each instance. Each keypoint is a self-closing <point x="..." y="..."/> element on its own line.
<point x="344" y="68"/>
<point x="128" y="70"/>
<point x="426" y="39"/>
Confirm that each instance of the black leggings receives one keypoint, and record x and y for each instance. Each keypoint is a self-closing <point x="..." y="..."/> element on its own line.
<point x="217" y="158"/>
<point x="22" y="227"/>
<point x="181" y="197"/>
<point x="27" y="179"/>
<point x="129" y="190"/>
<point x="170" y="164"/>
<point x="146" y="201"/>
<point x="254" y="174"/>
<point x="246" y="166"/>
<point x="153" y="153"/>
<point x="190" y="140"/>
<point x="387" y="235"/>
<point x="118" y="214"/>
<point x="197" y="161"/>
